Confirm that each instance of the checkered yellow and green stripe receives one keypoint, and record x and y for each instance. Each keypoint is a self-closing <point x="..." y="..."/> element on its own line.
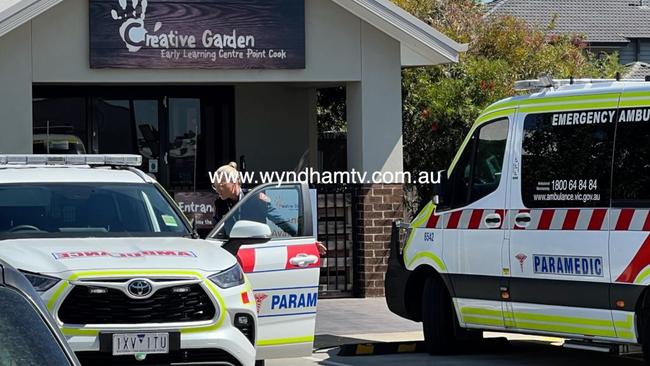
<point x="622" y="329"/>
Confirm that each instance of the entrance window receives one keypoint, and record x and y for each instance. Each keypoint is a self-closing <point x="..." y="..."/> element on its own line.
<point x="113" y="131"/>
<point x="181" y="132"/>
<point x="127" y="126"/>
<point x="60" y="126"/>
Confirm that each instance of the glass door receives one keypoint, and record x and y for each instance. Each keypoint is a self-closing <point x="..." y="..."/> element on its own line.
<point x="128" y="126"/>
<point x="146" y="115"/>
<point x="183" y="135"/>
<point x="166" y="131"/>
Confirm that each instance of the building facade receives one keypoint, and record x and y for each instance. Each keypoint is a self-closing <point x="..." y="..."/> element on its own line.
<point x="195" y="85"/>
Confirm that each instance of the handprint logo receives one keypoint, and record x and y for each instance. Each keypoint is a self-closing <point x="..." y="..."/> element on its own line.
<point x="132" y="31"/>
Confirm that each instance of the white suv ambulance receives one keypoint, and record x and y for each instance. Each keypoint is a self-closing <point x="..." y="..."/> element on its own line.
<point x="543" y="225"/>
<point x="126" y="278"/>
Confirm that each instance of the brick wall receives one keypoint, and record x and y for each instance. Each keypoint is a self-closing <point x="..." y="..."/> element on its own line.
<point x="377" y="206"/>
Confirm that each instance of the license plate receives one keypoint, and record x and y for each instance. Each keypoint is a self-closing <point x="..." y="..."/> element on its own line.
<point x="134" y="343"/>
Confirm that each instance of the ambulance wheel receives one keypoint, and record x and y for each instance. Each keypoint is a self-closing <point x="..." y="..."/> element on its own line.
<point x="259" y="363"/>
<point x="437" y="318"/>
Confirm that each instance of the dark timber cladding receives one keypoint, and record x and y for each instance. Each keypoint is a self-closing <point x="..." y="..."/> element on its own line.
<point x="209" y="34"/>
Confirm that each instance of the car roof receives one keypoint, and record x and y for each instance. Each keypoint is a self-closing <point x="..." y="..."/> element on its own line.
<point x="71" y="174"/>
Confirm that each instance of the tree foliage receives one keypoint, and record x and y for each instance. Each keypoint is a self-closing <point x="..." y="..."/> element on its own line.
<point x="441" y="102"/>
<point x="330" y="110"/>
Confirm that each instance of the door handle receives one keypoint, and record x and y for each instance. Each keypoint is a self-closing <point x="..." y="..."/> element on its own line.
<point x="523" y="219"/>
<point x="303" y="260"/>
<point x="493" y="221"/>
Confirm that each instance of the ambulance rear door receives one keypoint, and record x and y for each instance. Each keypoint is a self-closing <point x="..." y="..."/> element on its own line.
<point x="630" y="214"/>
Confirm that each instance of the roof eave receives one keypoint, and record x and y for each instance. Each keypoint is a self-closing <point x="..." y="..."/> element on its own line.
<point x="407" y="29"/>
<point x="22" y="12"/>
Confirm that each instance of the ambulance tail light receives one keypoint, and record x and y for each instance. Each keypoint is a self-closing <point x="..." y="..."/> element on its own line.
<point x="92" y="160"/>
<point x="246" y="325"/>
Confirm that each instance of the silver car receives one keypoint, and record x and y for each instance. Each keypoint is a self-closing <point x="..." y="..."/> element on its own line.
<point x="28" y="334"/>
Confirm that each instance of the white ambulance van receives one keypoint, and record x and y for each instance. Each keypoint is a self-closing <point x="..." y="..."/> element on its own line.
<point x="542" y="225"/>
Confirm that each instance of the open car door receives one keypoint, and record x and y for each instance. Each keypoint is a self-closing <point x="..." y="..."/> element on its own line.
<point x="284" y="270"/>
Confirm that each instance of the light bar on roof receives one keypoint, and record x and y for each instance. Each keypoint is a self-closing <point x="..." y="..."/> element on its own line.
<point x="526" y="85"/>
<point x="94" y="160"/>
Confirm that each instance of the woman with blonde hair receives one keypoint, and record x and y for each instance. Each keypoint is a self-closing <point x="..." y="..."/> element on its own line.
<point x="227" y="184"/>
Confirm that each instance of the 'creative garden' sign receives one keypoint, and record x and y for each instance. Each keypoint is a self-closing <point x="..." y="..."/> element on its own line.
<point x="208" y="34"/>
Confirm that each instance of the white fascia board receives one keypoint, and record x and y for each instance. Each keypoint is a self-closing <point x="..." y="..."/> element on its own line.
<point x="411" y="58"/>
<point x="15" y="13"/>
<point x="406" y="28"/>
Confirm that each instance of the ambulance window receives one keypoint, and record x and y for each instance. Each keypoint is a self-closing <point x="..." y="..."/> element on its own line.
<point x="566" y="159"/>
<point x="631" y="186"/>
<point x="459" y="179"/>
<point x="488" y="163"/>
<point x="281" y="208"/>
<point x="478" y="171"/>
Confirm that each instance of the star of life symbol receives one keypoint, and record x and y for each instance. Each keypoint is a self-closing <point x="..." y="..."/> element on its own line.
<point x="259" y="299"/>
<point x="521" y="258"/>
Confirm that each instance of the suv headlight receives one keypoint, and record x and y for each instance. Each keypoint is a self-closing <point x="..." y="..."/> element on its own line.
<point x="41" y="283"/>
<point x="233" y="276"/>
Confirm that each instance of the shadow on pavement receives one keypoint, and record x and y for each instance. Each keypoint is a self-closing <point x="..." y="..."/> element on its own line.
<point x="402" y="347"/>
<point x="325" y="341"/>
<point x="502" y="353"/>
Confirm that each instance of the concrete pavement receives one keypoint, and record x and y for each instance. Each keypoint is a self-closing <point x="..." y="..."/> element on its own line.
<point x="343" y="321"/>
<point x="360" y="316"/>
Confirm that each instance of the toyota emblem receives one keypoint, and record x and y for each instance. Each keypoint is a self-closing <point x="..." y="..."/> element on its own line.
<point x="140" y="288"/>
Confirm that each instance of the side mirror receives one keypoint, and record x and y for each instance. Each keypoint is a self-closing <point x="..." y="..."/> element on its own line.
<point x="440" y="188"/>
<point x="247" y="232"/>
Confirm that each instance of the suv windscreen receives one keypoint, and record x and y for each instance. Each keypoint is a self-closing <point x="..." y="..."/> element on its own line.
<point x="26" y="339"/>
<point x="86" y="209"/>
